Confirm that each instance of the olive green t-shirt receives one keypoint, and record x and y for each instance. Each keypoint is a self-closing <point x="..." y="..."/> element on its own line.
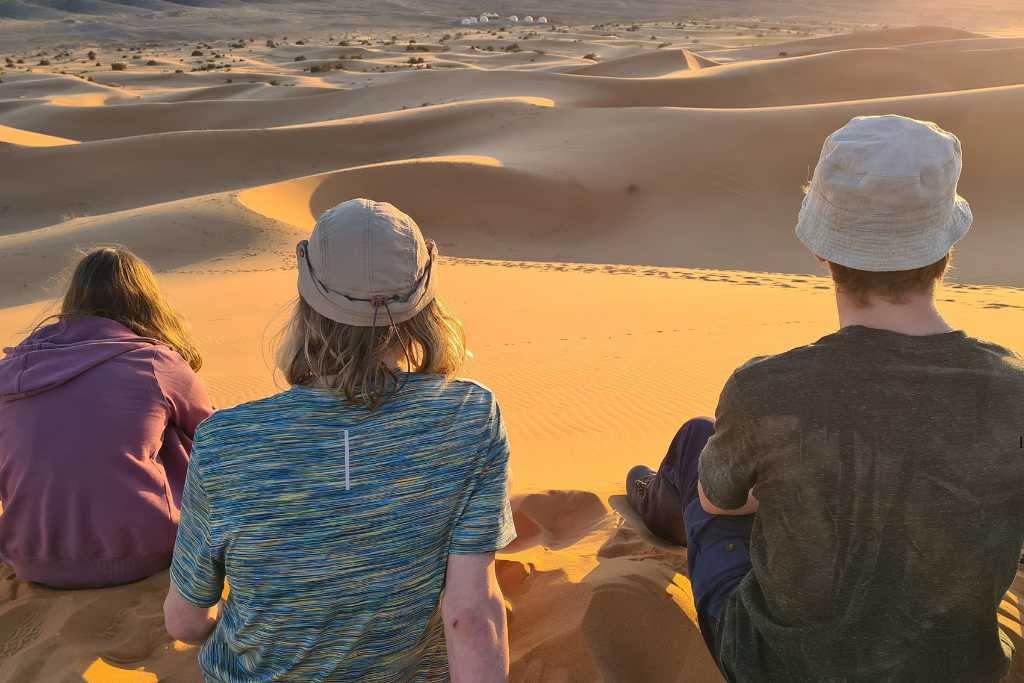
<point x="890" y="476"/>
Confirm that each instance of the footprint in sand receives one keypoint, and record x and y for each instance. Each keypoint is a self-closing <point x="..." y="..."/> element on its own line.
<point x="556" y="519"/>
<point x="124" y="624"/>
<point x="19" y="628"/>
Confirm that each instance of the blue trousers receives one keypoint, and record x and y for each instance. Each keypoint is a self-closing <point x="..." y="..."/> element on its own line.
<point x="718" y="547"/>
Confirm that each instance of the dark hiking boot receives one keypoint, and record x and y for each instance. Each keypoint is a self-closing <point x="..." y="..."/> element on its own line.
<point x="637" y="482"/>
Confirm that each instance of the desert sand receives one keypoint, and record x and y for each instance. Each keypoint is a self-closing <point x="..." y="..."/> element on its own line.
<point x="615" y="207"/>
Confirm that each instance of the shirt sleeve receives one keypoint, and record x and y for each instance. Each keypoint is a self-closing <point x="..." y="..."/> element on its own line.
<point x="728" y="463"/>
<point x="197" y="568"/>
<point x="184" y="391"/>
<point x="485" y="525"/>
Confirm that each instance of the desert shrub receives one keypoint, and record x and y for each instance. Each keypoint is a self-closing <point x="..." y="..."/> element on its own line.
<point x="417" y="48"/>
<point x="44" y="62"/>
<point x="591" y="56"/>
<point x="239" y="44"/>
<point x="179" y="71"/>
<point x="783" y="54"/>
<point x="151" y="62"/>
<point x="197" y="53"/>
<point x="91" y="55"/>
<point x="514" y="47"/>
<point x="275" y="82"/>
<point x="300" y="42"/>
<point x="663" y="45"/>
<point x="119" y="66"/>
<point x="300" y="58"/>
<point x="229" y="80"/>
<point x="271" y="43"/>
<point x="415" y="60"/>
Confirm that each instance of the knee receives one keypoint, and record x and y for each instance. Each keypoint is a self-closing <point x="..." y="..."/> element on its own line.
<point x="692" y="435"/>
<point x="698" y="425"/>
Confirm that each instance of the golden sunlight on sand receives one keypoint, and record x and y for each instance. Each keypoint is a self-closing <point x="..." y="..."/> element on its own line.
<point x="616" y="220"/>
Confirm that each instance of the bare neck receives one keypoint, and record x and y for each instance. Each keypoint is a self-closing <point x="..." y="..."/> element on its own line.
<point x="917" y="316"/>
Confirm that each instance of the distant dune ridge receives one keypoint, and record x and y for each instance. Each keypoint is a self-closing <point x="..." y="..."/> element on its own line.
<point x="614" y="207"/>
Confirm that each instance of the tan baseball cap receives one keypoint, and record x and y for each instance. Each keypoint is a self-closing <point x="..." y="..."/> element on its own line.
<point x="365" y="261"/>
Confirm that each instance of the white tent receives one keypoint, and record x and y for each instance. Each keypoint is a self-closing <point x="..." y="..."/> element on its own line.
<point x="527" y="19"/>
<point x="484" y="19"/>
<point x="514" y="19"/>
<point x="542" y="20"/>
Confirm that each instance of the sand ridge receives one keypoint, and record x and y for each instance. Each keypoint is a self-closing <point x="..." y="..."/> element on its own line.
<point x="614" y="208"/>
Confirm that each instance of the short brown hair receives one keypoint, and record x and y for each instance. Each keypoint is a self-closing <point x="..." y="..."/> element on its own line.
<point x="353" y="361"/>
<point x="893" y="286"/>
<point x="113" y="283"/>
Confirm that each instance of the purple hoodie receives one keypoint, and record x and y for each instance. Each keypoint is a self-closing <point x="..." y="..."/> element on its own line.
<point x="96" y="424"/>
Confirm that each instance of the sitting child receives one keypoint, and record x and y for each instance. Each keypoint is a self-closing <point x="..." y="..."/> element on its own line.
<point x="97" y="414"/>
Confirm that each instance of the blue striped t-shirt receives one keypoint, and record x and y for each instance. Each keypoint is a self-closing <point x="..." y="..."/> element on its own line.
<point x="333" y="524"/>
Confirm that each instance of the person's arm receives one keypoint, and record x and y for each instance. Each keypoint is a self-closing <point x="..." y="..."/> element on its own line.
<point x="748" y="508"/>
<point x="475" y="626"/>
<point x="185" y="393"/>
<point x="197" y="566"/>
<point x="472" y="607"/>
<point x="728" y="463"/>
<point x="187" y="622"/>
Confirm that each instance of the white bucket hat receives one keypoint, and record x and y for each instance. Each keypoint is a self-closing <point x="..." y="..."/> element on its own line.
<point x="883" y="196"/>
<point x="365" y="264"/>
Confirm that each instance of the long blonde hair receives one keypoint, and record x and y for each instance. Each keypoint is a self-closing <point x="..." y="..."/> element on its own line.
<point x="114" y="283"/>
<point x="354" y="361"/>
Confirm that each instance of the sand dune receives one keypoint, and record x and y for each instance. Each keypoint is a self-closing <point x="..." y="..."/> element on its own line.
<point x="860" y="39"/>
<point x="584" y="562"/>
<point x="848" y="74"/>
<point x="647" y="65"/>
<point x="26" y="138"/>
<point x="691" y="160"/>
<point x="543" y="208"/>
<point x="616" y="233"/>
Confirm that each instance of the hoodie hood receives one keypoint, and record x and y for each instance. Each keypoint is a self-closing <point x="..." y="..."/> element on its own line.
<point x="58" y="353"/>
